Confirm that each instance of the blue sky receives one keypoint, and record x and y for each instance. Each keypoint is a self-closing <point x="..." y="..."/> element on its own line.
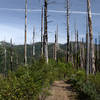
<point x="12" y="19"/>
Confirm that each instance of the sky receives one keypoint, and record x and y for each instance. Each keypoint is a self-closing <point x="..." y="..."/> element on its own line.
<point x="12" y="19"/>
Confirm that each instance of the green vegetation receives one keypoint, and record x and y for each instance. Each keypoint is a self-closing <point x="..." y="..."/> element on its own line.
<point x="32" y="81"/>
<point x="87" y="88"/>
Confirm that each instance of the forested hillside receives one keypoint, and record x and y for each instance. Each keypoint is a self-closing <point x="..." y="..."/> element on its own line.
<point x="18" y="54"/>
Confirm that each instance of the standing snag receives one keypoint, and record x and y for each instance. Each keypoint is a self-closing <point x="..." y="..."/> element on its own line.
<point x="25" y="42"/>
<point x="68" y="45"/>
<point x="45" y="32"/>
<point x="92" y="58"/>
<point x="33" y="41"/>
<point x="41" y="30"/>
<point x="11" y="55"/>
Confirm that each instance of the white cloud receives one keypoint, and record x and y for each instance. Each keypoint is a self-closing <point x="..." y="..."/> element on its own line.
<point x="51" y="11"/>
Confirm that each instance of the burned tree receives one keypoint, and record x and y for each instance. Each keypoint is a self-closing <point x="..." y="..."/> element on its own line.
<point x="68" y="45"/>
<point x="87" y="53"/>
<point x="11" y="55"/>
<point x="56" y="46"/>
<point x="96" y="50"/>
<point x="92" y="58"/>
<point x="41" y="30"/>
<point x="45" y="37"/>
<point x="33" y="52"/>
<point x="83" y="53"/>
<point x="25" y="42"/>
<point x="5" y="58"/>
<point x="77" y="51"/>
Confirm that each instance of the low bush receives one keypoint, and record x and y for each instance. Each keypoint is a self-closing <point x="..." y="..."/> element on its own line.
<point x="85" y="88"/>
<point x="31" y="82"/>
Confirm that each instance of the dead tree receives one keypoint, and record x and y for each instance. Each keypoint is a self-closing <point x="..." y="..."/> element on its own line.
<point x="5" y="59"/>
<point x="83" y="54"/>
<point x="99" y="46"/>
<point x="57" y="37"/>
<point x="75" y="46"/>
<point x="68" y="45"/>
<point x="87" y="53"/>
<point x="25" y="42"/>
<point x="80" y="56"/>
<point x="77" y="50"/>
<point x="55" y="47"/>
<point x="41" y="30"/>
<point x="87" y="59"/>
<point x="33" y="41"/>
<point x="99" y="52"/>
<point x="45" y="32"/>
<point x="11" y="55"/>
<point x="75" y="39"/>
<point x="71" y="49"/>
<point x="96" y="51"/>
<point x="92" y="58"/>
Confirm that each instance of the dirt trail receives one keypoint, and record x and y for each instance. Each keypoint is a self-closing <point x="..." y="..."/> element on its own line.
<point x="61" y="91"/>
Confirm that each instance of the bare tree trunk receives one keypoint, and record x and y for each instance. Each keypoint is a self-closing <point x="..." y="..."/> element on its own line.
<point x="81" y="62"/>
<point x="75" y="39"/>
<point x="99" y="51"/>
<point x="92" y="58"/>
<point x="96" y="58"/>
<point x="25" y="42"/>
<point x="83" y="54"/>
<point x="71" y="49"/>
<point x="5" y="59"/>
<point x="55" y="47"/>
<point x="57" y="37"/>
<point x="42" y="31"/>
<point x="99" y="46"/>
<point x="33" y="41"/>
<point x="68" y="45"/>
<point x="75" y="46"/>
<point x="11" y="55"/>
<point x="45" y="32"/>
<point x="77" y="51"/>
<point x="87" y="60"/>
<point x="87" y="53"/>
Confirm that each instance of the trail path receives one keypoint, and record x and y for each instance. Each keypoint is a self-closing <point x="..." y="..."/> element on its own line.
<point x="61" y="91"/>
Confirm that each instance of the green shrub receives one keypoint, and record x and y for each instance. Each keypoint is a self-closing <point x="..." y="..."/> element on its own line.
<point x="29" y="82"/>
<point x="85" y="88"/>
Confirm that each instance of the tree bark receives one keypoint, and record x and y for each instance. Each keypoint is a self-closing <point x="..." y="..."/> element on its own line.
<point x="68" y="45"/>
<point x="11" y="55"/>
<point x="92" y="57"/>
<point x="87" y="53"/>
<point x="25" y="42"/>
<point x="42" y="31"/>
<point x="45" y="32"/>
<point x="33" y="41"/>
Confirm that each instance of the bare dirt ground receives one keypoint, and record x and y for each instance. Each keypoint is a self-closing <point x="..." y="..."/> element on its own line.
<point x="61" y="91"/>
